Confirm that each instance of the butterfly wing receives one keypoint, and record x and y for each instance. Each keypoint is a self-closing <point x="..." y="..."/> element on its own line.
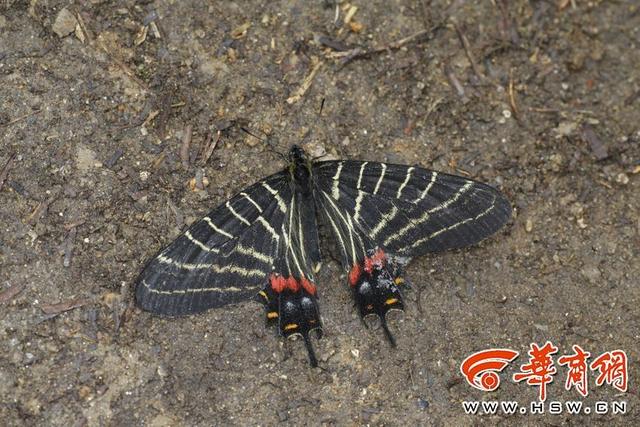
<point x="223" y="258"/>
<point x="409" y="210"/>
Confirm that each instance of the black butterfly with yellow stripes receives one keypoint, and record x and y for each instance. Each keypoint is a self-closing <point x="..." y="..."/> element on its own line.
<point x="264" y="241"/>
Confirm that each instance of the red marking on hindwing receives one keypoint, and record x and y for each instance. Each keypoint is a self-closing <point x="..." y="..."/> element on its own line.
<point x="379" y="258"/>
<point x="308" y="286"/>
<point x="278" y="283"/>
<point x="354" y="274"/>
<point x="368" y="265"/>
<point x="377" y="261"/>
<point x="292" y="284"/>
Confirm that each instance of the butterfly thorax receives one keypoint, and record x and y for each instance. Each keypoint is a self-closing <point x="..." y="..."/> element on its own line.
<point x="300" y="170"/>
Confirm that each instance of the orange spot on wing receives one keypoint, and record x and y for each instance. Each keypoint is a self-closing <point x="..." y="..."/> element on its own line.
<point x="308" y="286"/>
<point x="354" y="274"/>
<point x="377" y="260"/>
<point x="380" y="258"/>
<point x="277" y="283"/>
<point x="292" y="284"/>
<point x="368" y="265"/>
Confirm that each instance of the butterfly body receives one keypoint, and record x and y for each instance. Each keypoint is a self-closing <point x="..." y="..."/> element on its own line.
<point x="264" y="241"/>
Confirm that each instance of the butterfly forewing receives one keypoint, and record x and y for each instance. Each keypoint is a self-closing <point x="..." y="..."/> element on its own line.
<point x="409" y="210"/>
<point x="223" y="258"/>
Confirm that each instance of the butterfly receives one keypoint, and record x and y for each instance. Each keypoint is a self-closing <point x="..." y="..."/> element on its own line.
<point x="264" y="241"/>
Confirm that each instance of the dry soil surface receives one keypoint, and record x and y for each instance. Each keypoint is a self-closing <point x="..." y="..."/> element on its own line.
<point x="538" y="98"/>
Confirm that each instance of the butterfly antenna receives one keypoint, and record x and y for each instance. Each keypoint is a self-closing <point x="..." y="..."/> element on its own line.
<point x="327" y="134"/>
<point x="387" y="332"/>
<point x="270" y="147"/>
<point x="312" y="354"/>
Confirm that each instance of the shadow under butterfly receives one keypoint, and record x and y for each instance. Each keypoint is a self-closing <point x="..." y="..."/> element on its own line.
<point x="264" y="241"/>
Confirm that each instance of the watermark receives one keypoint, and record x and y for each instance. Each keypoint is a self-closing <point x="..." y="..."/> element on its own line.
<point x="554" y="407"/>
<point x="481" y="371"/>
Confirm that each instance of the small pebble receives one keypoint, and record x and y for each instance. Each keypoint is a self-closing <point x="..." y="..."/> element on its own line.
<point x="591" y="273"/>
<point x="622" y="178"/>
<point x="29" y="358"/>
<point x="528" y="225"/>
<point x="162" y="371"/>
<point x="84" y="392"/>
<point x="65" y="23"/>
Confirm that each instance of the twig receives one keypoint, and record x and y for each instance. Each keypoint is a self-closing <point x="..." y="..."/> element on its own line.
<point x="199" y="178"/>
<point x="83" y="28"/>
<point x="306" y="84"/>
<point x="455" y="83"/>
<point x="545" y="110"/>
<point x="74" y="224"/>
<point x="40" y="209"/>
<point x="17" y="119"/>
<point x="210" y="145"/>
<point x="11" y="292"/>
<point x="176" y="213"/>
<point x="358" y="52"/>
<point x="111" y="161"/>
<point x="63" y="306"/>
<point x="68" y="246"/>
<point x="467" y="49"/>
<point x="186" y="142"/>
<point x="512" y="97"/>
<point x="505" y="25"/>
<point x="631" y="98"/>
<point x="123" y="66"/>
<point x="598" y="147"/>
<point x="433" y="107"/>
<point x="5" y="170"/>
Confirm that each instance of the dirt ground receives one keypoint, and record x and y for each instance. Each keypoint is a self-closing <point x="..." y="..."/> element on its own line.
<point x="97" y="98"/>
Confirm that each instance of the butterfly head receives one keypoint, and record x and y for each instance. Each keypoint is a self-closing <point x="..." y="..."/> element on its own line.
<point x="375" y="288"/>
<point x="292" y="305"/>
<point x="297" y="154"/>
<point x="300" y="168"/>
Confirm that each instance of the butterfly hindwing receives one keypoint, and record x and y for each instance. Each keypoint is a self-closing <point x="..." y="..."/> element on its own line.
<point x="223" y="258"/>
<point x="409" y="210"/>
